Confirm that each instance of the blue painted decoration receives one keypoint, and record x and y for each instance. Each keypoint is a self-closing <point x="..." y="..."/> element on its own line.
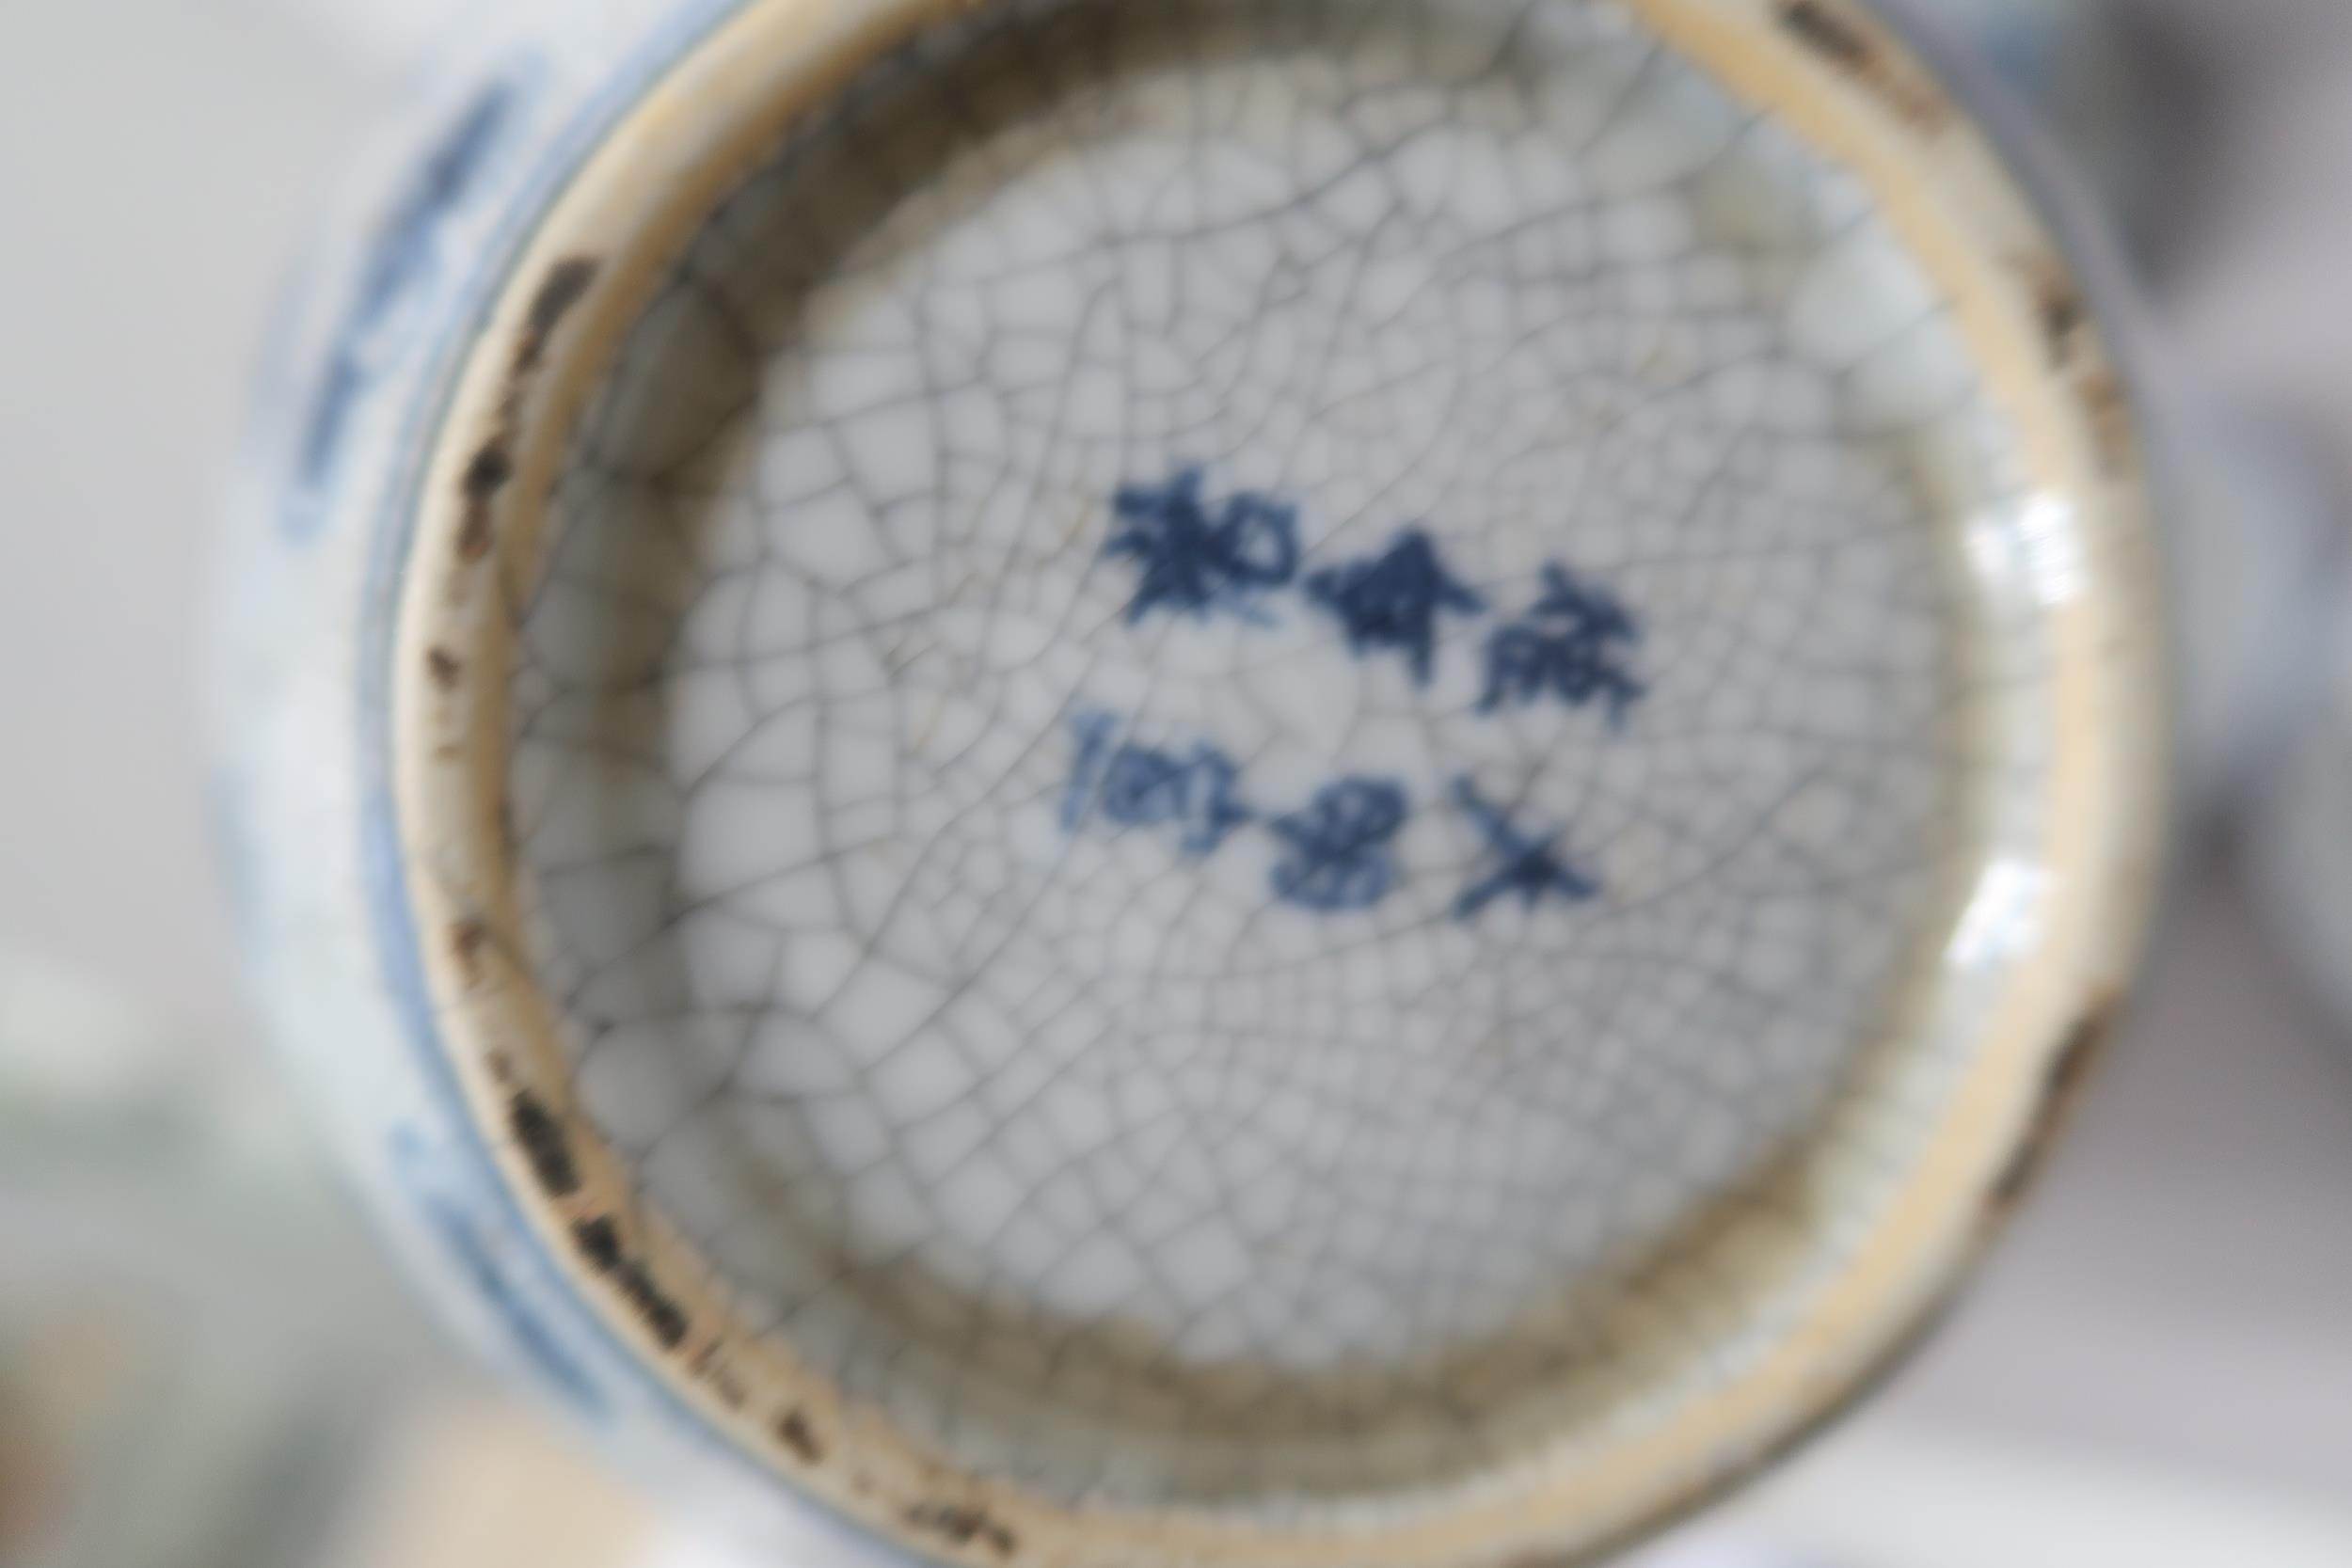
<point x="1393" y="600"/>
<point x="1572" y="645"/>
<point x="1194" y="562"/>
<point x="399" y="262"/>
<point x="1526" y="863"/>
<point x="1139" y="786"/>
<point x="1340" y="849"/>
<point x="467" y="1247"/>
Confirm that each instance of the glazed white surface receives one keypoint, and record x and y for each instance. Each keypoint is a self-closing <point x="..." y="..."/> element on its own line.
<point x="1042" y="1130"/>
<point x="2136" y="1310"/>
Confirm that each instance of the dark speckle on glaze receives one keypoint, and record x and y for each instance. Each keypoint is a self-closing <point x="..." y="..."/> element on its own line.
<point x="567" y="284"/>
<point x="599" y="1241"/>
<point x="492" y="466"/>
<point x="599" y="1244"/>
<point x="467" y="941"/>
<point x="961" y="1525"/>
<point x="1824" y="30"/>
<point x="1828" y="28"/>
<point x="795" y="1431"/>
<point x="543" y="1143"/>
<point x="2062" y="1088"/>
<point x="487" y="474"/>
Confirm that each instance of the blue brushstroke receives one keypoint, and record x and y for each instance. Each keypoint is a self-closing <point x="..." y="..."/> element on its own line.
<point x="1525" y="864"/>
<point x="1194" y="564"/>
<point x="458" y="1232"/>
<point x="400" y="264"/>
<point x="1393" y="600"/>
<point x="1572" y="645"/>
<point x="1340" y="849"/>
<point x="1139" y="786"/>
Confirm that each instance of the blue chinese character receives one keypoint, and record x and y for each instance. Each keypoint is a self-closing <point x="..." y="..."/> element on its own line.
<point x="1340" y="848"/>
<point x="1394" y="600"/>
<point x="1193" y="563"/>
<point x="1571" y="645"/>
<point x="1528" y="864"/>
<point x="1137" y="787"/>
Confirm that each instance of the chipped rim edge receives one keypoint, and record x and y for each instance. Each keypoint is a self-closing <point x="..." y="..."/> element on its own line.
<point x="1859" y="98"/>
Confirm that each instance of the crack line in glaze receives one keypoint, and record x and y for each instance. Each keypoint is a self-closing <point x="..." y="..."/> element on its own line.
<point x="1078" y="368"/>
<point x="1149" y="1037"/>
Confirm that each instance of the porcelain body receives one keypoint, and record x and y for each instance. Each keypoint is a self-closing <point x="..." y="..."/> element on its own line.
<point x="351" y="797"/>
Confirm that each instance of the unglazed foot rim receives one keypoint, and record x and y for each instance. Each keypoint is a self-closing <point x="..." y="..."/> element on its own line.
<point x="1277" y="782"/>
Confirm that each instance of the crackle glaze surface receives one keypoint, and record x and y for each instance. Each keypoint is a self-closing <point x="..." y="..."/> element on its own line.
<point x="1332" y="779"/>
<point x="1227" y="703"/>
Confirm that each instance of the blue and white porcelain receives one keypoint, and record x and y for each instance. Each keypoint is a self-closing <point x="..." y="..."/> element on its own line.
<point x="1251" y="782"/>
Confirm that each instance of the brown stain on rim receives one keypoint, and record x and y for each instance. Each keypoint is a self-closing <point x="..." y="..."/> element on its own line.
<point x="2061" y="1094"/>
<point x="467" y="940"/>
<point x="1827" y="32"/>
<point x="2063" y="317"/>
<point x="565" y="285"/>
<point x="487" y="474"/>
<point x="446" y="668"/>
<point x="961" y="1524"/>
<point x="531" y="349"/>
<point x="2058" y="307"/>
<point x="711" y="1367"/>
<point x="796" y="1432"/>
<point x="598" y="1240"/>
<point x="1854" y="46"/>
<point x="492" y="466"/>
<point x="545" y="1143"/>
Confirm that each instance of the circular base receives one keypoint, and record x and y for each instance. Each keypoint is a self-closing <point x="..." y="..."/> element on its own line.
<point x="1280" y="761"/>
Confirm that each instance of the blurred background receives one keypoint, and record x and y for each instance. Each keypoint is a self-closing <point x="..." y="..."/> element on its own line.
<point x="200" y="1361"/>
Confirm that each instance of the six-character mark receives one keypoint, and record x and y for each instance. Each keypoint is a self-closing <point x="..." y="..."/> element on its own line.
<point x="1199" y="556"/>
